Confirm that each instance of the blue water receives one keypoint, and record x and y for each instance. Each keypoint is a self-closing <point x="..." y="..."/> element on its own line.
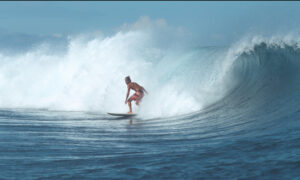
<point x="252" y="132"/>
<point x="209" y="144"/>
<point x="55" y="145"/>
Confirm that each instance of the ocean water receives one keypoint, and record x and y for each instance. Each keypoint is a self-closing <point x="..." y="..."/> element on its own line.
<point x="211" y="113"/>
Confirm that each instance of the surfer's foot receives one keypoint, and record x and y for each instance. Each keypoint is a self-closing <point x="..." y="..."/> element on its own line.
<point x="129" y="112"/>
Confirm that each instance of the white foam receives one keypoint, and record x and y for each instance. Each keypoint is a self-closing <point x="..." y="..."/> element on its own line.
<point x="89" y="76"/>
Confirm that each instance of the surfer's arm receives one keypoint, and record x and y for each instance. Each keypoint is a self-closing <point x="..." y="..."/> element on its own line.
<point x="127" y="94"/>
<point x="144" y="89"/>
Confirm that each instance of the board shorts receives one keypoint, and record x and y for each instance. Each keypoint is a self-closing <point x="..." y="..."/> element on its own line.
<point x="137" y="96"/>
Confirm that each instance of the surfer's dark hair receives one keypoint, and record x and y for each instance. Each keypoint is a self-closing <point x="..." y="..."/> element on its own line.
<point x="127" y="79"/>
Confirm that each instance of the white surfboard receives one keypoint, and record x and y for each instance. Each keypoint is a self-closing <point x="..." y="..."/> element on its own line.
<point x="122" y="114"/>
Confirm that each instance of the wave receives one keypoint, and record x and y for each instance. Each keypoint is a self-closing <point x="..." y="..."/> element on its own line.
<point x="263" y="77"/>
<point x="180" y="78"/>
<point x="89" y="75"/>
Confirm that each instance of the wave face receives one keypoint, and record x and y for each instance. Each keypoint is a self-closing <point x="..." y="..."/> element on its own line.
<point x="264" y="75"/>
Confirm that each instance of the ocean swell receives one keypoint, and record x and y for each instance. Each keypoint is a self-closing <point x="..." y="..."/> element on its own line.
<point x="180" y="79"/>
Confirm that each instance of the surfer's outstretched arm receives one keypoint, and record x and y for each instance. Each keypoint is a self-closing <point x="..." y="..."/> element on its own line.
<point x="144" y="89"/>
<point x="128" y="90"/>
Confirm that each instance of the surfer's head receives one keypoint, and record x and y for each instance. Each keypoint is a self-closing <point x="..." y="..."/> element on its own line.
<point x="127" y="80"/>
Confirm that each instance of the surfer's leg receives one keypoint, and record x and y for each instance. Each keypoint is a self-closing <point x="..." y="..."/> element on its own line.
<point x="137" y="102"/>
<point x="129" y="104"/>
<point x="139" y="99"/>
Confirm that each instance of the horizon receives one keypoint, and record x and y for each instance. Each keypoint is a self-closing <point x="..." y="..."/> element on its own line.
<point x="211" y="23"/>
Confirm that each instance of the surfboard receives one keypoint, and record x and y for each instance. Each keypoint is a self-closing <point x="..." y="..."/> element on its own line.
<point x="122" y="114"/>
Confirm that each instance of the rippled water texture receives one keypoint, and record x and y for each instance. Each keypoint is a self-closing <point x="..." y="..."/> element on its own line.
<point x="208" y="144"/>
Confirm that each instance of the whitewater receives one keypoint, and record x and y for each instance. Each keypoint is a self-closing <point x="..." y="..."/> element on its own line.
<point x="212" y="112"/>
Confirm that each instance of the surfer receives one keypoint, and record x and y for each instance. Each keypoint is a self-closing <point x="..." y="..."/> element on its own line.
<point x="137" y="96"/>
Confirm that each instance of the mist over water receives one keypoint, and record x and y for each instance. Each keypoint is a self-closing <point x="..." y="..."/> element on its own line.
<point x="89" y="75"/>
